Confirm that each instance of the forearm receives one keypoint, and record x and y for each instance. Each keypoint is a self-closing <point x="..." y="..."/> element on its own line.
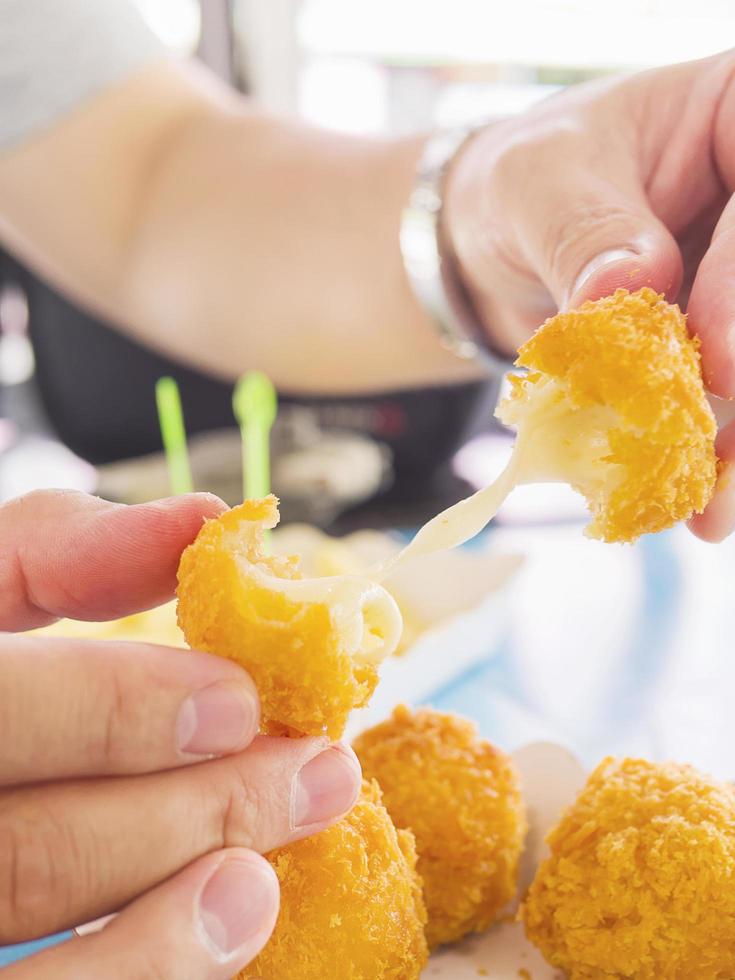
<point x="232" y="239"/>
<point x="302" y="273"/>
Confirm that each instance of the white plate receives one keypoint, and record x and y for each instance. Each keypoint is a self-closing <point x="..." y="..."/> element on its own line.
<point x="502" y="954"/>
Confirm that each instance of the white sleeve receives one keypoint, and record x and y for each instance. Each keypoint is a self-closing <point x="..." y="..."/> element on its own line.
<point x="55" y="54"/>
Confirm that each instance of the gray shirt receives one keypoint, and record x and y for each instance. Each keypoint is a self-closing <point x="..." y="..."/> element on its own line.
<point x="55" y="54"/>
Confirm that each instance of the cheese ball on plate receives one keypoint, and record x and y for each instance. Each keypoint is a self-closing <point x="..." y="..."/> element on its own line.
<point x="641" y="878"/>
<point x="461" y="798"/>
<point x="351" y="905"/>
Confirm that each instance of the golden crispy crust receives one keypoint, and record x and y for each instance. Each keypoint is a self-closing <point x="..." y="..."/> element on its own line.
<point x="307" y="682"/>
<point x="632" y="352"/>
<point x="640" y="882"/>
<point x="351" y="906"/>
<point x="461" y="798"/>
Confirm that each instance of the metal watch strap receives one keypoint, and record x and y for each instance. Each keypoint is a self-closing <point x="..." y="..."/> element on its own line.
<point x="432" y="274"/>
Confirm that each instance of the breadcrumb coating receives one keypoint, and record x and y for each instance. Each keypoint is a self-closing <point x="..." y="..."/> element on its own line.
<point x="300" y="652"/>
<point x="619" y="381"/>
<point x="641" y="878"/>
<point x="461" y="798"/>
<point x="351" y="905"/>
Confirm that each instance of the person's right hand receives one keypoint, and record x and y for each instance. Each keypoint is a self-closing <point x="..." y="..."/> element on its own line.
<point x="131" y="777"/>
<point x="618" y="182"/>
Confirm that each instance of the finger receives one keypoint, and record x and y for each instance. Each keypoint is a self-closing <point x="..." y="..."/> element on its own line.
<point x="712" y="307"/>
<point x="71" y="852"/>
<point x="712" y="302"/>
<point x="206" y="923"/>
<point x="718" y="520"/>
<point x="69" y="554"/>
<point x="590" y="235"/>
<point x="115" y="708"/>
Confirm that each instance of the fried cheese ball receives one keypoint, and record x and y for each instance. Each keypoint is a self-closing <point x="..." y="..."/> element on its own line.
<point x="614" y="404"/>
<point x="312" y="646"/>
<point x="461" y="798"/>
<point x="351" y="905"/>
<point x="641" y="878"/>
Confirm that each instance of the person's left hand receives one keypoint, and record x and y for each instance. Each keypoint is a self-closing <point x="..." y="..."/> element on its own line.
<point x="132" y="779"/>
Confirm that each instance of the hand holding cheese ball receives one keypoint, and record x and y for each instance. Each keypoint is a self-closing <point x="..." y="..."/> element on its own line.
<point x="639" y="883"/>
<point x="130" y="769"/>
<point x="621" y="182"/>
<point x="613" y="403"/>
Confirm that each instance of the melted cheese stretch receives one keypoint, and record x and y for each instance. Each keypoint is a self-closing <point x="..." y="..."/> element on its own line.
<point x="367" y="617"/>
<point x="457" y="524"/>
<point x="556" y="443"/>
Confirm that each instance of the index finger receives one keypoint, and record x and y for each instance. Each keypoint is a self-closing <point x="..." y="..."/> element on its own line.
<point x="66" y="554"/>
<point x="718" y="520"/>
<point x="711" y="307"/>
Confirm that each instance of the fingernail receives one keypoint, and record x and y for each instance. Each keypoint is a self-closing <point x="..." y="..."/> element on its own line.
<point x="610" y="257"/>
<point x="238" y="901"/>
<point x="220" y="718"/>
<point x="326" y="787"/>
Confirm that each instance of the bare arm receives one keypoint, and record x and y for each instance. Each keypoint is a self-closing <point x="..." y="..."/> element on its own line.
<point x="226" y="237"/>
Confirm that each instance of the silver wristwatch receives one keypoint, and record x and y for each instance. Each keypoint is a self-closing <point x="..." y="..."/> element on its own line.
<point x="433" y="275"/>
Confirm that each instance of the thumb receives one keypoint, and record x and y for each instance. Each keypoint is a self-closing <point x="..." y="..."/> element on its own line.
<point x="206" y="923"/>
<point x="590" y="237"/>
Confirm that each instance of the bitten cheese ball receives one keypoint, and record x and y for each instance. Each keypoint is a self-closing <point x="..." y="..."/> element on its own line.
<point x="614" y="404"/>
<point x="461" y="798"/>
<point x="312" y="646"/>
<point x="641" y="878"/>
<point x="351" y="905"/>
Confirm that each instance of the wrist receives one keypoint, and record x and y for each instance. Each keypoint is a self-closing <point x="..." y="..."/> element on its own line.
<point x="468" y="239"/>
<point x="431" y="261"/>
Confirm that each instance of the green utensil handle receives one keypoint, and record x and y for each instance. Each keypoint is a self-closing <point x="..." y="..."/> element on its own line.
<point x="256" y="475"/>
<point x="173" y="434"/>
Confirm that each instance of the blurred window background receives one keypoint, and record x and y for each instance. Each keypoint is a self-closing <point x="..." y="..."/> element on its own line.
<point x="398" y="66"/>
<point x="177" y="22"/>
